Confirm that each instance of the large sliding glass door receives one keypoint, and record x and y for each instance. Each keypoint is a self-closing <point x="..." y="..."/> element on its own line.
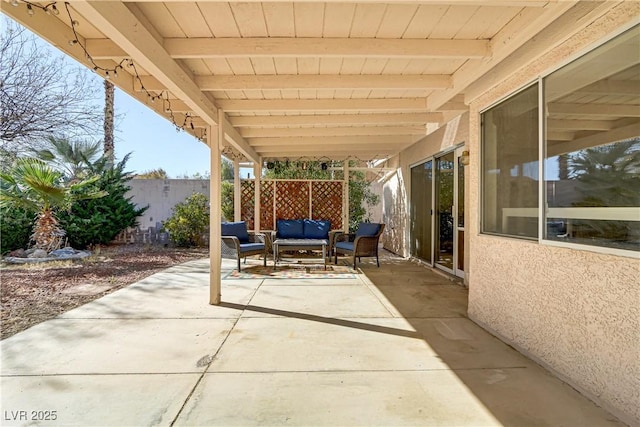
<point x="437" y="212"/>
<point x="444" y="211"/>
<point x="421" y="210"/>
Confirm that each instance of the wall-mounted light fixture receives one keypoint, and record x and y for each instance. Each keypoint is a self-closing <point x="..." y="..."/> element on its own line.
<point x="464" y="158"/>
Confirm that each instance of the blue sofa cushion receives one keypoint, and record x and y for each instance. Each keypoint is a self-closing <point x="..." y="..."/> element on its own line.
<point x="345" y="245"/>
<point x="246" y="247"/>
<point x="367" y="229"/>
<point x="316" y="228"/>
<point x="290" y="229"/>
<point x="238" y="229"/>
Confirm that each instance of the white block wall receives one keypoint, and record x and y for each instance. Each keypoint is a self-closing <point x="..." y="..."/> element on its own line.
<point x="162" y="195"/>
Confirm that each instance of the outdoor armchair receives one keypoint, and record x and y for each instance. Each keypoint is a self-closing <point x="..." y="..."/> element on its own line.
<point x="362" y="243"/>
<point x="238" y="243"/>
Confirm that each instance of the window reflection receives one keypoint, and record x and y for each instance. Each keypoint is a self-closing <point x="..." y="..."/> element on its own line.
<point x="592" y="145"/>
<point x="510" y="155"/>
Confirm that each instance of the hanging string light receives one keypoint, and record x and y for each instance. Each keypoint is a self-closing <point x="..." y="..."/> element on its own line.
<point x="109" y="72"/>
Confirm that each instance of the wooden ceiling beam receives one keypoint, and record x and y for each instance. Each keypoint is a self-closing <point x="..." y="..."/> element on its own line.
<point x="118" y="23"/>
<point x="293" y="154"/>
<point x="605" y="110"/>
<point x="320" y="141"/>
<point x="206" y="48"/>
<point x="104" y="49"/>
<point x="611" y="87"/>
<point x="457" y="103"/>
<point x="203" y="48"/>
<point x="336" y="119"/>
<point x="58" y="34"/>
<point x="333" y="131"/>
<point x="232" y="136"/>
<point x="495" y="3"/>
<point x="551" y="33"/>
<point x="594" y="140"/>
<point x="315" y="81"/>
<point x="326" y="105"/>
<point x="188" y="120"/>
<point x="560" y="135"/>
<point x="277" y="82"/>
<point x="519" y="32"/>
<point x="559" y="124"/>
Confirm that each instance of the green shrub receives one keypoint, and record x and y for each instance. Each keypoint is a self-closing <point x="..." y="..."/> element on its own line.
<point x="15" y="228"/>
<point x="190" y="220"/>
<point x="99" y="221"/>
<point x="227" y="200"/>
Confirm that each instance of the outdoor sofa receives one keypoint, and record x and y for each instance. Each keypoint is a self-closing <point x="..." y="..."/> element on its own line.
<point x="303" y="234"/>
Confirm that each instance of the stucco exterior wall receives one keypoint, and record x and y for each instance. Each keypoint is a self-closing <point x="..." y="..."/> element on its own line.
<point x="574" y="311"/>
<point x="162" y="195"/>
<point x="397" y="189"/>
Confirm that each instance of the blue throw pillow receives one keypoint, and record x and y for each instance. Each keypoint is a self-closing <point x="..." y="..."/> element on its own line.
<point x="316" y="228"/>
<point x="238" y="229"/>
<point x="367" y="229"/>
<point x="290" y="229"/>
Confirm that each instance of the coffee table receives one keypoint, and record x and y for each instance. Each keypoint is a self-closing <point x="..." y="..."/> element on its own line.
<point x="299" y="245"/>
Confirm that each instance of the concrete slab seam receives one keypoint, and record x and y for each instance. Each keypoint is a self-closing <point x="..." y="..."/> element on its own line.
<point x="213" y="358"/>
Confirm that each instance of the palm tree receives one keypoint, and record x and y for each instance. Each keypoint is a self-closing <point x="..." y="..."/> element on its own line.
<point x="109" y="147"/>
<point x="153" y="174"/>
<point x="33" y="184"/>
<point x="70" y="157"/>
<point x="608" y="175"/>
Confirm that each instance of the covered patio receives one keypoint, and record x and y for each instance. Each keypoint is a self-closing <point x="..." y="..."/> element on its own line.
<point x="392" y="346"/>
<point x="478" y="99"/>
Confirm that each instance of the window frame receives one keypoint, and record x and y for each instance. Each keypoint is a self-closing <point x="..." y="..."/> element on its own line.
<point x="504" y="98"/>
<point x="542" y="143"/>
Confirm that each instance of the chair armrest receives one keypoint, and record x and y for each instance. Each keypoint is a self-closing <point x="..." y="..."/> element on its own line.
<point x="365" y="245"/>
<point x="255" y="237"/>
<point x="263" y="237"/>
<point x="344" y="237"/>
<point x="230" y="245"/>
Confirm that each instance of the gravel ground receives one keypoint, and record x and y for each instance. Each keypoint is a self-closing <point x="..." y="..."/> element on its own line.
<point x="33" y="293"/>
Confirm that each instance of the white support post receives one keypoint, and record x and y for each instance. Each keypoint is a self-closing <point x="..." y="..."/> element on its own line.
<point x="214" y="134"/>
<point x="310" y="200"/>
<point x="257" y="172"/>
<point x="346" y="196"/>
<point x="237" y="213"/>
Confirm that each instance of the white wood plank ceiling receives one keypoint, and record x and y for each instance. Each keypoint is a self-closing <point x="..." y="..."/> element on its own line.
<point x="331" y="79"/>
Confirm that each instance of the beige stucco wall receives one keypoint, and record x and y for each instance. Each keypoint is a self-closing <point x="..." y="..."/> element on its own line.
<point x="575" y="311"/>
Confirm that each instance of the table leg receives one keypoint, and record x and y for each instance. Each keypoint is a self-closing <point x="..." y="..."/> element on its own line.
<point x="275" y="256"/>
<point x="324" y="256"/>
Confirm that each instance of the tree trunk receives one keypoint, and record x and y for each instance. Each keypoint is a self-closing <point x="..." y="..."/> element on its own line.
<point x="563" y="167"/>
<point x="109" y="150"/>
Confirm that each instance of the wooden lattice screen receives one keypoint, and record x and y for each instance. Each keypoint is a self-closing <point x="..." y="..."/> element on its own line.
<point x="247" y="206"/>
<point x="326" y="202"/>
<point x="267" y="220"/>
<point x="293" y="199"/>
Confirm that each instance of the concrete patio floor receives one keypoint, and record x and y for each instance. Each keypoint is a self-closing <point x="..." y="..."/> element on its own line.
<point x="390" y="347"/>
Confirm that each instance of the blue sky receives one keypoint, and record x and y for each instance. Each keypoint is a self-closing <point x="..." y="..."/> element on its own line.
<point x="154" y="141"/>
